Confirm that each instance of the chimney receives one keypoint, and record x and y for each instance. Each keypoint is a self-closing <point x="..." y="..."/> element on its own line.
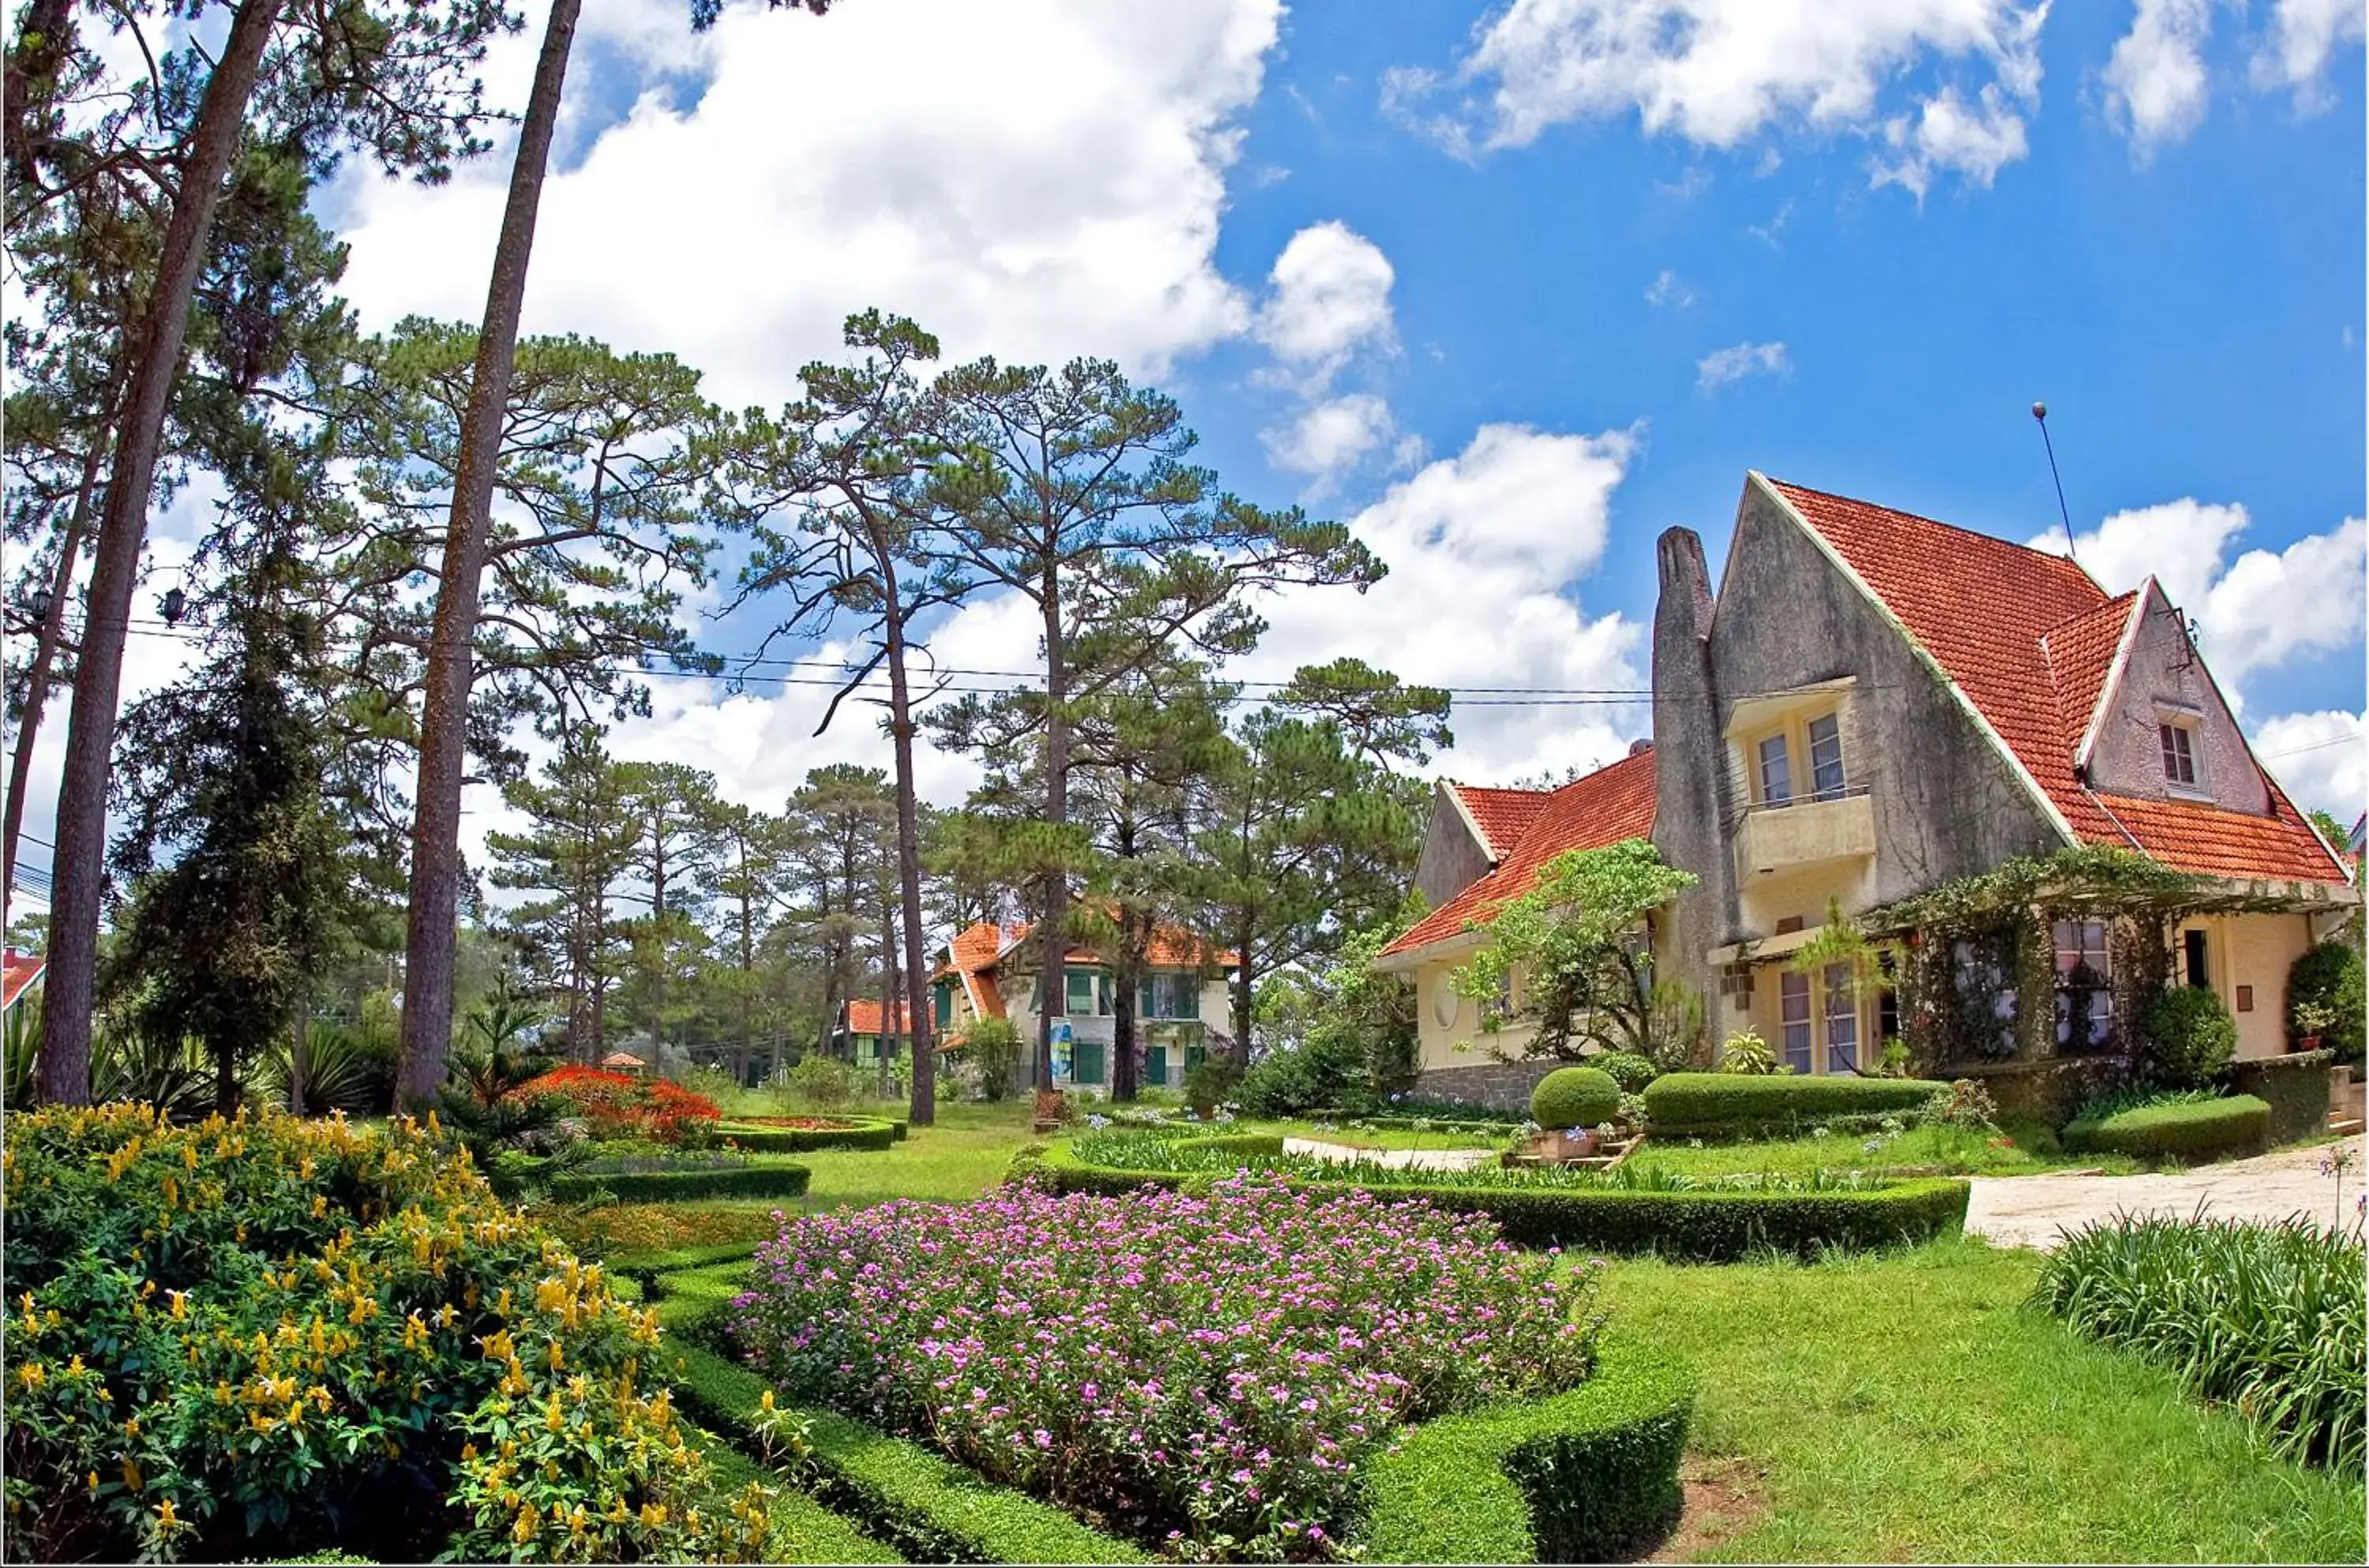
<point x="1689" y="756"/>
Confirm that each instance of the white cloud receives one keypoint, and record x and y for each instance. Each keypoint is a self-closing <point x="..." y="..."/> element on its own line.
<point x="1720" y="73"/>
<point x="1976" y="139"/>
<point x="1032" y="180"/>
<point x="2262" y="609"/>
<point x="1718" y="369"/>
<point x="2154" y="81"/>
<point x="2303" y="35"/>
<point x="1329" y="296"/>
<point x="1331" y="436"/>
<point x="1668" y="289"/>
<point x="2322" y="759"/>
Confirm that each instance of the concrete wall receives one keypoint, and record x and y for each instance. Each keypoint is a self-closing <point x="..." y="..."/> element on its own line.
<point x="1505" y="1085"/>
<point x="1946" y="804"/>
<point x="2127" y="756"/>
<point x="1452" y="858"/>
<point x="2254" y="951"/>
<point x="1438" y="1043"/>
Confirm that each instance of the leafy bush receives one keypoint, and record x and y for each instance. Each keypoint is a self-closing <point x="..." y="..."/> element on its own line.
<point x="1586" y="1476"/>
<point x="1621" y="1210"/>
<point x="2294" y="1086"/>
<point x="1732" y="1104"/>
<point x="261" y="1336"/>
<point x="1747" y="1055"/>
<point x="1329" y="1068"/>
<point x="2183" y="1129"/>
<point x="1574" y="1096"/>
<point x="1627" y="1068"/>
<point x="620" y="1105"/>
<point x="2268" y="1319"/>
<point x="993" y="1045"/>
<point x="344" y="1070"/>
<point x="2185" y="1037"/>
<point x="1211" y="1081"/>
<point x="1223" y="1368"/>
<point x="2328" y="978"/>
<point x="818" y="1080"/>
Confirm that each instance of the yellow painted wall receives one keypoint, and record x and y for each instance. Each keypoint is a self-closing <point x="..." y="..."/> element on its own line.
<point x="2256" y="951"/>
<point x="1438" y="1041"/>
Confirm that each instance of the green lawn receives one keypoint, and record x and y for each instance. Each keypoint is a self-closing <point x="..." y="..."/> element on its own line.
<point x="1910" y="1408"/>
<point x="2027" y="1149"/>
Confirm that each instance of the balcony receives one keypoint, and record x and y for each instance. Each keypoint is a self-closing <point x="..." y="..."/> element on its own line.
<point x="1772" y="839"/>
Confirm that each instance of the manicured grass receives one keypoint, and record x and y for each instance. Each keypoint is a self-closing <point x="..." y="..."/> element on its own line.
<point x="1443" y="1135"/>
<point x="2029" y="1150"/>
<point x="1911" y="1407"/>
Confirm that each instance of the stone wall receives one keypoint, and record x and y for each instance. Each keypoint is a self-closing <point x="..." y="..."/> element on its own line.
<point x="1502" y="1085"/>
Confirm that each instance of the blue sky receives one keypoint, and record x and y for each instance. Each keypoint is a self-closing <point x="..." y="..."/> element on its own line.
<point x="1510" y="288"/>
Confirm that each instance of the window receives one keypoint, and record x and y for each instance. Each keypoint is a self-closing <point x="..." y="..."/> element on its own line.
<point x="1842" y="1020"/>
<point x="945" y="1006"/>
<point x="2085" y="993"/>
<point x="1086" y="1062"/>
<point x="2178" y="754"/>
<point x="1168" y="996"/>
<point x="1082" y="991"/>
<point x="2191" y="944"/>
<point x="1794" y="1002"/>
<point x="1825" y="758"/>
<point x="1776" y="773"/>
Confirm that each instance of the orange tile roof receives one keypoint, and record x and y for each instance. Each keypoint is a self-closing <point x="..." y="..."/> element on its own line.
<point x="17" y="974"/>
<point x="1502" y="815"/>
<point x="977" y="951"/>
<point x="1603" y="808"/>
<point x="2019" y="631"/>
<point x="864" y="1017"/>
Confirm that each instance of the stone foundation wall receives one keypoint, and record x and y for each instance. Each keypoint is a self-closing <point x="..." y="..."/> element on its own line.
<point x="1502" y="1085"/>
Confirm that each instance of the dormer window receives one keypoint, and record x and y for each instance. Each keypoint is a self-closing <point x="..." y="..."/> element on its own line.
<point x="2178" y="754"/>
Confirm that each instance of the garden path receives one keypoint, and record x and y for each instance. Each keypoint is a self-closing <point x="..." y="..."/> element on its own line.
<point x="2035" y="1211"/>
<point x="1394" y="1159"/>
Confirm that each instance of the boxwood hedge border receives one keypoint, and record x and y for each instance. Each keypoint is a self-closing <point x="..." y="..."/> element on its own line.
<point x="866" y="1132"/>
<point x="1705" y="1225"/>
<point x="1746" y="1105"/>
<point x="2185" y="1130"/>
<point x="764" y="1175"/>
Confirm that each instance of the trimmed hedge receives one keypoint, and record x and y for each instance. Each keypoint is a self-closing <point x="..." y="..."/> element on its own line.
<point x="803" y="1530"/>
<point x="1739" y="1105"/>
<point x="1574" y="1097"/>
<point x="2190" y="1131"/>
<point x="647" y="1266"/>
<point x="1586" y="1476"/>
<point x="2295" y="1087"/>
<point x="931" y="1509"/>
<point x="1706" y="1225"/>
<point x="869" y="1132"/>
<point x="764" y="1176"/>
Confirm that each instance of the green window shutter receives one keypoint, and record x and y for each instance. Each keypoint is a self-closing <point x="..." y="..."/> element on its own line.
<point x="1195" y="1056"/>
<point x="1081" y="992"/>
<point x="1155" y="1066"/>
<point x="946" y="1005"/>
<point x="1188" y="996"/>
<point x="1146" y="999"/>
<point x="1086" y="1062"/>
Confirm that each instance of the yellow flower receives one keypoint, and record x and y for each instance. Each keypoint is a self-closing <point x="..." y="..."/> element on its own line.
<point x="654" y="1515"/>
<point x="132" y="1481"/>
<point x="164" y="1519"/>
<point x="32" y="1374"/>
<point x="523" y="1531"/>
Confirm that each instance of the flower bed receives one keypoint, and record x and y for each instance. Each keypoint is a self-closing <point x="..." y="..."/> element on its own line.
<point x="799" y="1135"/>
<point x="620" y="1105"/>
<point x="1212" y="1372"/>
<point x="264" y="1336"/>
<point x="1712" y="1219"/>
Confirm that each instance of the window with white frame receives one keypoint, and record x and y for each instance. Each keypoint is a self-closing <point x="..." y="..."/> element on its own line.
<point x="1842" y="1019"/>
<point x="1776" y="771"/>
<point x="2084" y="988"/>
<point x="1825" y="736"/>
<point x="2179" y="740"/>
<point x="1793" y="1015"/>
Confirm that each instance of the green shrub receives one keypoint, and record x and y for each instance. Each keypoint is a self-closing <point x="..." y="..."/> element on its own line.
<point x="1627" y="1068"/>
<point x="2295" y="1087"/>
<point x="2266" y="1319"/>
<point x="1574" y="1096"/>
<point x="821" y="1081"/>
<point x="866" y="1132"/>
<point x="2185" y="1130"/>
<point x="992" y="1047"/>
<point x="2185" y="1037"/>
<point x="1747" y="1055"/>
<point x="1735" y="1105"/>
<point x="1329" y="1067"/>
<point x="1586" y="1476"/>
<point x="2328" y="977"/>
<point x="932" y="1508"/>
<point x="1211" y="1081"/>
<point x="1708" y="1224"/>
<point x="266" y="1336"/>
<point x="762" y="1176"/>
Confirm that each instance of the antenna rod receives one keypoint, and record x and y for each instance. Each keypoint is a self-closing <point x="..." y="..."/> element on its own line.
<point x="2040" y="415"/>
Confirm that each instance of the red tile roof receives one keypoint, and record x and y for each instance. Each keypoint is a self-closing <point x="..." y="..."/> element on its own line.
<point x="864" y="1017"/>
<point x="1604" y="807"/>
<point x="1502" y="815"/>
<point x="17" y="974"/>
<point x="2021" y="632"/>
<point x="978" y="952"/>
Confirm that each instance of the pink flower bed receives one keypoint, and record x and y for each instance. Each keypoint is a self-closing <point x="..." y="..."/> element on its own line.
<point x="1207" y="1373"/>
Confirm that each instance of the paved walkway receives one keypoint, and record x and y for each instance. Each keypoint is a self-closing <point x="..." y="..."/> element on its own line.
<point x="2033" y="1211"/>
<point x="1395" y="1159"/>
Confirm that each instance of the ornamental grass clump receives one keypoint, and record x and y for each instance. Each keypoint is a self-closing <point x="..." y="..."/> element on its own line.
<point x="2269" y="1318"/>
<point x="262" y="1336"/>
<point x="1208" y="1374"/>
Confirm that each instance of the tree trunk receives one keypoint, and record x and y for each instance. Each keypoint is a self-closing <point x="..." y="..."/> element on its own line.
<point x="443" y="729"/>
<point x="888" y="989"/>
<point x="657" y="929"/>
<point x="45" y="653"/>
<point x="79" y="870"/>
<point x="919" y="1021"/>
<point x="45" y="41"/>
<point x="1241" y="1020"/>
<point x="748" y="976"/>
<point x="1051" y="945"/>
<point x="299" y="1053"/>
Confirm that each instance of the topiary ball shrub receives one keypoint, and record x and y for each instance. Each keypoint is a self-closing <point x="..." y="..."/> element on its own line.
<point x="1630" y="1070"/>
<point x="1575" y="1097"/>
<point x="2185" y="1037"/>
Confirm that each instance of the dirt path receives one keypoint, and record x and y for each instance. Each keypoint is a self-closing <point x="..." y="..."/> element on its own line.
<point x="2033" y="1211"/>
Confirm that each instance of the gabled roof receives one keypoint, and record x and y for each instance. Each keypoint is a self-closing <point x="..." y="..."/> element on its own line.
<point x="18" y="975"/>
<point x="1600" y="808"/>
<point x="1502" y="815"/>
<point x="2030" y="642"/>
<point x="978" y="952"/>
<point x="864" y="1017"/>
